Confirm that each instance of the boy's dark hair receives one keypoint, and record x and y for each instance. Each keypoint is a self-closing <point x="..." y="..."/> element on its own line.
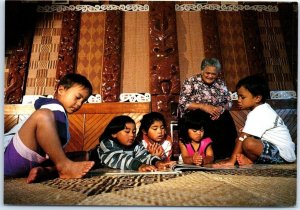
<point x="256" y="85"/>
<point x="71" y="79"/>
<point x="117" y="124"/>
<point x="148" y="120"/>
<point x="195" y="119"/>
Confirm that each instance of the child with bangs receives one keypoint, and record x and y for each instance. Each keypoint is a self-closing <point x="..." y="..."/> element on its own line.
<point x="153" y="135"/>
<point x="195" y="146"/>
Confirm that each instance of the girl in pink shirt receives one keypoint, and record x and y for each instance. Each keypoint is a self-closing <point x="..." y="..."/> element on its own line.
<point x="195" y="147"/>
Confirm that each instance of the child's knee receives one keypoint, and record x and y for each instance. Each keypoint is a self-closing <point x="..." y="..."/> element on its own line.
<point x="44" y="116"/>
<point x="251" y="143"/>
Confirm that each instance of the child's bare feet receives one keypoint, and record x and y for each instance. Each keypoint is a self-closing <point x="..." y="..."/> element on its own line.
<point x="73" y="169"/>
<point x="225" y="162"/>
<point x="243" y="160"/>
<point x="41" y="173"/>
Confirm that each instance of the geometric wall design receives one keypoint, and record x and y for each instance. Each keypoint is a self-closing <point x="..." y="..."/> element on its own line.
<point x="276" y="61"/>
<point x="234" y="57"/>
<point x="91" y="47"/>
<point x="44" y="55"/>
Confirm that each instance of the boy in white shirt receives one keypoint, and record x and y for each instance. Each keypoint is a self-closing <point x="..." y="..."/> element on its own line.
<point x="264" y="138"/>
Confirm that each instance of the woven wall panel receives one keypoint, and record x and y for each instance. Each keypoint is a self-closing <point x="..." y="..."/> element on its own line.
<point x="254" y="48"/>
<point x="44" y="55"/>
<point x="235" y="65"/>
<point x="190" y="43"/>
<point x="135" y="54"/>
<point x="90" y="50"/>
<point x="211" y="35"/>
<point x="276" y="61"/>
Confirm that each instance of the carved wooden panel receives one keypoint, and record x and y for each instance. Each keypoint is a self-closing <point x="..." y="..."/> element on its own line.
<point x="18" y="68"/>
<point x="68" y="44"/>
<point x="164" y="62"/>
<point x="112" y="57"/>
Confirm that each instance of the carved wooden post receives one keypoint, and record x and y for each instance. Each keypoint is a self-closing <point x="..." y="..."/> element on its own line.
<point x="18" y="67"/>
<point x="112" y="57"/>
<point x="68" y="44"/>
<point x="164" y="61"/>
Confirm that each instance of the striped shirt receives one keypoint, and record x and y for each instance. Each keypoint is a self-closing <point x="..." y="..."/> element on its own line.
<point x="114" y="155"/>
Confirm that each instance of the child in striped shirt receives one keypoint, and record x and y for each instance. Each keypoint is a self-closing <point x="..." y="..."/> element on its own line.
<point x="118" y="148"/>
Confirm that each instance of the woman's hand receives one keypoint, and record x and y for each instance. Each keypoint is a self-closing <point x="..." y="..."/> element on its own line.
<point x="214" y="111"/>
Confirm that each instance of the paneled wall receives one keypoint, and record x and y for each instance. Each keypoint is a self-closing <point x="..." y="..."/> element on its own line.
<point x="148" y="50"/>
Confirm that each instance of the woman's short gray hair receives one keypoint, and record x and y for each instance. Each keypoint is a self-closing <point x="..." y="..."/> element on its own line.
<point x="211" y="62"/>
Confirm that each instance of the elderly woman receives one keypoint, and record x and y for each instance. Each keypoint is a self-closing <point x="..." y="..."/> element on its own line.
<point x="207" y="92"/>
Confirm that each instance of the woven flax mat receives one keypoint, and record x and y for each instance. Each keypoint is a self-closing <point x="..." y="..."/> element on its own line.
<point x="105" y="184"/>
<point x="95" y="185"/>
<point x="267" y="172"/>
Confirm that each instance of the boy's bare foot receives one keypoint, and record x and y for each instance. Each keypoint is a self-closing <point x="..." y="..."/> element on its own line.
<point x="243" y="160"/>
<point x="41" y="173"/>
<point x="71" y="169"/>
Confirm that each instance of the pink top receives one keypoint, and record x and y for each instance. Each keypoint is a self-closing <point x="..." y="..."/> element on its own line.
<point x="202" y="148"/>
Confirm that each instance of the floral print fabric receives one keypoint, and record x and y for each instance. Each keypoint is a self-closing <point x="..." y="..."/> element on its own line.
<point x="194" y="90"/>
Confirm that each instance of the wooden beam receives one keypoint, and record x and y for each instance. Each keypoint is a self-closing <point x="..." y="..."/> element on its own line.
<point x="99" y="108"/>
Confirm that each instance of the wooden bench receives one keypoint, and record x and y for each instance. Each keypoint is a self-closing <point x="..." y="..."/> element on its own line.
<point x="87" y="124"/>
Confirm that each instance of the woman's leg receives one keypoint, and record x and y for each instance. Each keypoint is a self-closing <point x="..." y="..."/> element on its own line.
<point x="223" y="133"/>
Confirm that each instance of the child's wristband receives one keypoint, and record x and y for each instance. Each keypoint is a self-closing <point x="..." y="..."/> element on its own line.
<point x="243" y="138"/>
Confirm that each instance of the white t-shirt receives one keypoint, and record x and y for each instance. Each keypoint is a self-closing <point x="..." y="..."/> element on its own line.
<point x="266" y="124"/>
